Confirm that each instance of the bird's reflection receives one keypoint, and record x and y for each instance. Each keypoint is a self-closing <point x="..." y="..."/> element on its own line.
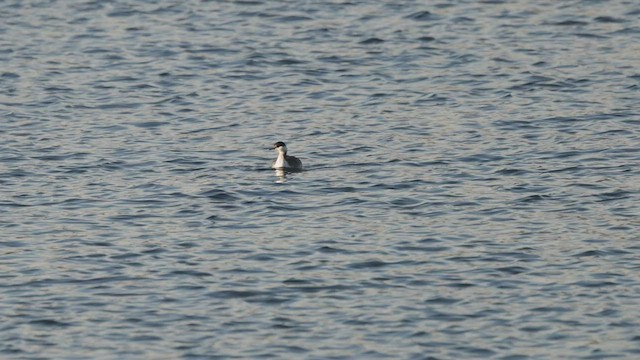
<point x="282" y="176"/>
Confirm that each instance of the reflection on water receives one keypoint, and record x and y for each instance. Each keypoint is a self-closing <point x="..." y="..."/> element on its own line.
<point x="474" y="190"/>
<point x="282" y="176"/>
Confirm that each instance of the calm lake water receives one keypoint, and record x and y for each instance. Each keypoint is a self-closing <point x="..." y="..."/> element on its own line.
<point x="472" y="183"/>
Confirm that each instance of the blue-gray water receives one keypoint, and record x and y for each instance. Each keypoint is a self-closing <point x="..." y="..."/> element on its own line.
<point x="472" y="186"/>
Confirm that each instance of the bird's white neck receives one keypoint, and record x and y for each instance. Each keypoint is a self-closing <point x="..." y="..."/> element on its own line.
<point x="281" y="161"/>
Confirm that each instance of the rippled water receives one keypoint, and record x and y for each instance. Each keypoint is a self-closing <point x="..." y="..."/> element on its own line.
<point x="472" y="186"/>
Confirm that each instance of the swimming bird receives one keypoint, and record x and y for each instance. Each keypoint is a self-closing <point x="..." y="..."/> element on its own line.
<point x="285" y="161"/>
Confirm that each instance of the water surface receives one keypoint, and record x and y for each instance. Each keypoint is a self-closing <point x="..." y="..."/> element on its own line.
<point x="471" y="191"/>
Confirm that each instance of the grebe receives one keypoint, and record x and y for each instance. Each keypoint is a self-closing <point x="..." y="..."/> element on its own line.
<point x="285" y="161"/>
